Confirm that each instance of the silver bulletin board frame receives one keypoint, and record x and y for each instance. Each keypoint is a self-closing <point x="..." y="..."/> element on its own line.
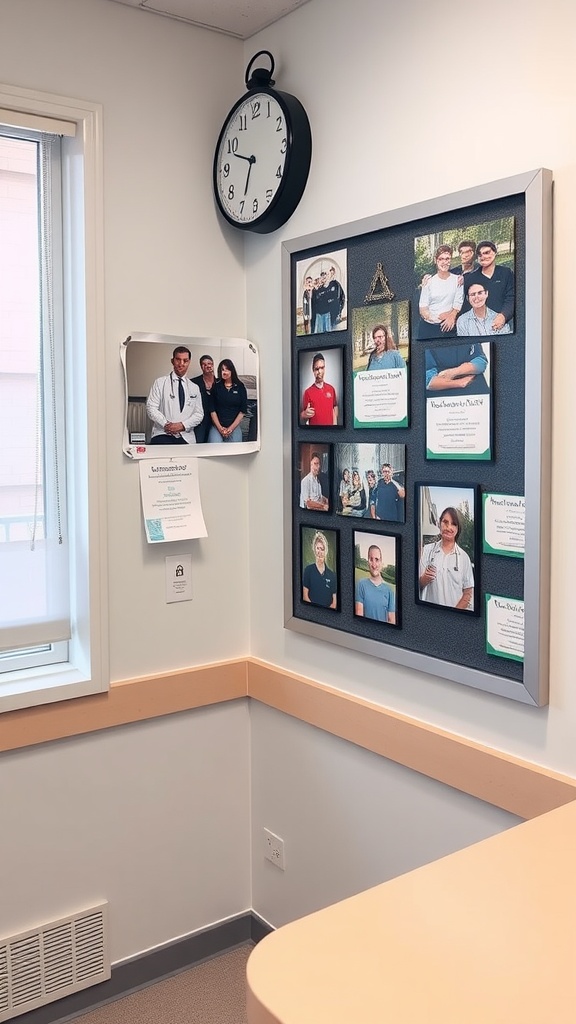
<point x="536" y="188"/>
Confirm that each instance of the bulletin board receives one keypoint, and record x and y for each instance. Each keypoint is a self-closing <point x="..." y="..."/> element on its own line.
<point x="417" y="396"/>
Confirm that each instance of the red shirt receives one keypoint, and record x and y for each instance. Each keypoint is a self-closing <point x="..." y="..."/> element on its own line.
<point x="323" y="400"/>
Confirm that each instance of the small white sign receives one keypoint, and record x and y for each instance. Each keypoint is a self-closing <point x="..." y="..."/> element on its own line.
<point x="504" y="524"/>
<point x="178" y="578"/>
<point x="505" y="627"/>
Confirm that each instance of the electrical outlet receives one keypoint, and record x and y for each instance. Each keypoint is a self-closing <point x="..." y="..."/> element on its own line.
<point x="274" y="849"/>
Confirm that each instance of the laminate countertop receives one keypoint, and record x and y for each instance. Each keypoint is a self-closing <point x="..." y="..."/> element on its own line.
<point x="483" y="936"/>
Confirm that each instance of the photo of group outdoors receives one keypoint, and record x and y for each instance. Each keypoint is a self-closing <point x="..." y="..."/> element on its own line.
<point x="376" y="576"/>
<point x="320" y="298"/>
<point x="447" y="546"/>
<point x="319" y="567"/>
<point x="369" y="481"/>
<point x="314" y="475"/>
<point x="465" y="281"/>
<point x="380" y="355"/>
<point x="320" y="374"/>
<point x="459" y="401"/>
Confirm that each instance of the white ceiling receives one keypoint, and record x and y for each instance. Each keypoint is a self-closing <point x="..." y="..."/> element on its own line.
<point x="238" y="18"/>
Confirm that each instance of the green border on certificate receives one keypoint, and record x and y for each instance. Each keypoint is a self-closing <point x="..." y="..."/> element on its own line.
<point x="503" y="529"/>
<point x="482" y="457"/>
<point x="505" y="627"/>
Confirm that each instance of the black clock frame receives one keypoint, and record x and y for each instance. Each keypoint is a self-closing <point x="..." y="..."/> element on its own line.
<point x="296" y="165"/>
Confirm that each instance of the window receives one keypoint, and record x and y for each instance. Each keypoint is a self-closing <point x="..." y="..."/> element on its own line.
<point x="51" y="634"/>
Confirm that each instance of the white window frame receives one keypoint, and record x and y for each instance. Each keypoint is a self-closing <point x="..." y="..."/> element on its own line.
<point x="86" y="670"/>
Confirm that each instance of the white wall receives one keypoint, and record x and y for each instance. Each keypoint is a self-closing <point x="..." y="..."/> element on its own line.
<point x="406" y="102"/>
<point x="371" y="76"/>
<point x="153" y="817"/>
<point x="349" y="819"/>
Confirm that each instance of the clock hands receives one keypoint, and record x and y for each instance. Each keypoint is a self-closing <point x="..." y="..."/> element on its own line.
<point x="251" y="160"/>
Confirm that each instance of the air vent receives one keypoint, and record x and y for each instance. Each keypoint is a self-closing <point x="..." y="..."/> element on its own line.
<point x="53" y="961"/>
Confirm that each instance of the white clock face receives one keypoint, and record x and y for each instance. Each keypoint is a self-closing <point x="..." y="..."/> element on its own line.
<point x="251" y="158"/>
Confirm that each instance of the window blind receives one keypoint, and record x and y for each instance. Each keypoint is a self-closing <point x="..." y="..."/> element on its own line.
<point x="34" y="565"/>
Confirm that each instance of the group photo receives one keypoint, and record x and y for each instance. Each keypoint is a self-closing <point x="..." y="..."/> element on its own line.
<point x="321" y="293"/>
<point x="200" y="394"/>
<point x="369" y="481"/>
<point x="465" y="281"/>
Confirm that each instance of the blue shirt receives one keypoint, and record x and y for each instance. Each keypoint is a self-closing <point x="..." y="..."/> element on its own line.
<point x="321" y="586"/>
<point x="377" y="600"/>
<point x="389" y="360"/>
<point x="387" y="501"/>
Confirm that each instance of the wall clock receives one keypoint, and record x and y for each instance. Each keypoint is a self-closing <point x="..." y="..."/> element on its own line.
<point x="263" y="155"/>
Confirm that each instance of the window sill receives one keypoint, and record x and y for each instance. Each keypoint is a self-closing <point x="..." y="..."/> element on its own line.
<point x="43" y="685"/>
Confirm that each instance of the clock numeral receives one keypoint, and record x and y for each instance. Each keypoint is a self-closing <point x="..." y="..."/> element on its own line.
<point x="279" y="172"/>
<point x="255" y="206"/>
<point x="242" y="122"/>
<point x="232" y="145"/>
<point x="242" y="206"/>
<point x="278" y="124"/>
<point x="231" y="192"/>
<point x="269" y="194"/>
<point x="268" y="105"/>
<point x="226" y="170"/>
<point x="283" y="146"/>
<point x="256" y="109"/>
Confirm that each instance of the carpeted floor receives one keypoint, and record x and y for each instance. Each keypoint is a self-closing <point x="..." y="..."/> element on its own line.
<point x="210" y="993"/>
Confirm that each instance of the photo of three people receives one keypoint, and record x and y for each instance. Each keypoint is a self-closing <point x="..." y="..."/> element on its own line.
<point x="465" y="281"/>
<point x="321" y="286"/>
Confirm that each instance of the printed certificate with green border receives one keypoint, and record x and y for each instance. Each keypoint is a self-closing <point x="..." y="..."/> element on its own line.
<point x="503" y="519"/>
<point x="381" y="398"/>
<point x="505" y="627"/>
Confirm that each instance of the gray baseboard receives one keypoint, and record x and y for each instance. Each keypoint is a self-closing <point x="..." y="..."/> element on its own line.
<point x="152" y="967"/>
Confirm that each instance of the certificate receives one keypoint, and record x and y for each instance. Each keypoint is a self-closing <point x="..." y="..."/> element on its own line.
<point x="381" y="398"/>
<point x="171" y="500"/>
<point x="505" y="627"/>
<point x="458" y="428"/>
<point x="504" y="520"/>
<point x="458" y="402"/>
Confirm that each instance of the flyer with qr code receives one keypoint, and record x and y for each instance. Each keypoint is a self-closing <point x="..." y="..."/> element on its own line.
<point x="171" y="504"/>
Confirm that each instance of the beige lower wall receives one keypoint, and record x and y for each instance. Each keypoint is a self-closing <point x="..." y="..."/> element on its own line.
<point x="130" y="700"/>
<point x="520" y="787"/>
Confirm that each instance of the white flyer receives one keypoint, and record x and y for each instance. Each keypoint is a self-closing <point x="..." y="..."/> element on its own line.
<point x="171" y="500"/>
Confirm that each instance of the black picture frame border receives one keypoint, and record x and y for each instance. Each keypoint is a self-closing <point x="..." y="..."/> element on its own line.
<point x="311" y="352"/>
<point x="435" y="460"/>
<point x="314" y="444"/>
<point x="316" y="527"/>
<point x="477" y="534"/>
<point x="397" y="565"/>
<point x="536" y="188"/>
